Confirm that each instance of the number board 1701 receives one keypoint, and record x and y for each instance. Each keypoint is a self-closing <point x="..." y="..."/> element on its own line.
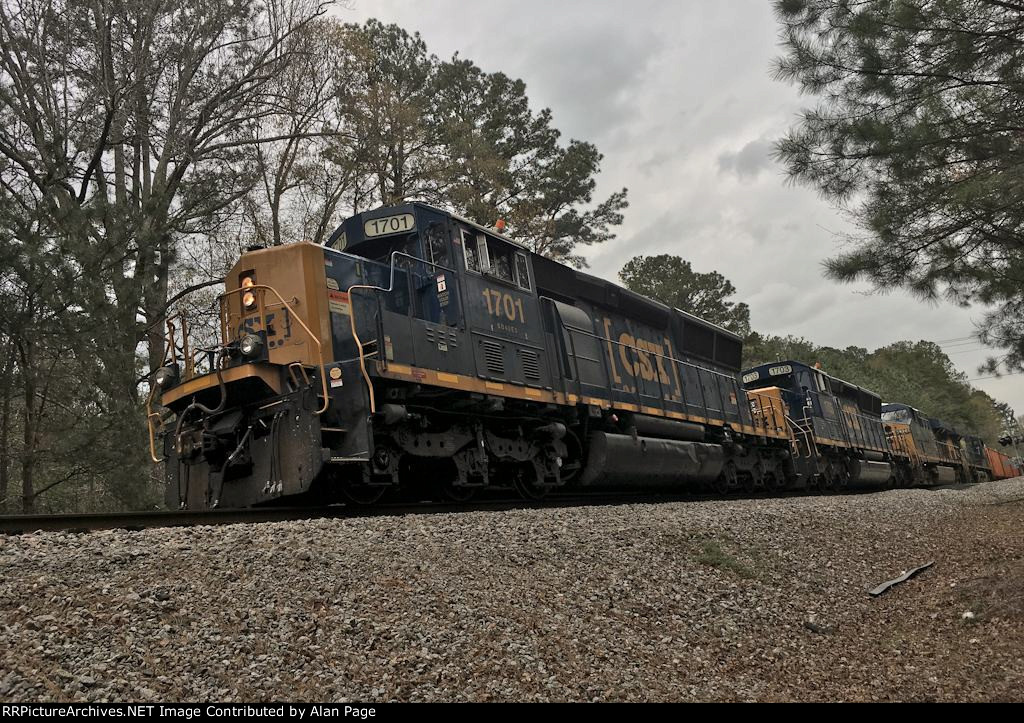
<point x="388" y="225"/>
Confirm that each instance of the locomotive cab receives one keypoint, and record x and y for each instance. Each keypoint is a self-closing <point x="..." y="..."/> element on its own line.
<point x="935" y="459"/>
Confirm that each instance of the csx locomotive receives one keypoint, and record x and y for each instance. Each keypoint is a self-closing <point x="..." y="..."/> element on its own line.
<point x="419" y="351"/>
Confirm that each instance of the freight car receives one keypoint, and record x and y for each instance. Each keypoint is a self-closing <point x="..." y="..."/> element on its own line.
<point x="423" y="352"/>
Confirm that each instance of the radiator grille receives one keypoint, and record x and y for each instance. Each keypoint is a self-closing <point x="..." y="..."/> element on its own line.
<point x="494" y="358"/>
<point x="531" y="364"/>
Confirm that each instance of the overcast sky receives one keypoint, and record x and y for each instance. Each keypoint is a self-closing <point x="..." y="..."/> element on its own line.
<point x="678" y="96"/>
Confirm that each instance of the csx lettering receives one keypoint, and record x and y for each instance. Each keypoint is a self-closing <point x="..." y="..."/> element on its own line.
<point x="504" y="305"/>
<point x="251" y="325"/>
<point x="650" y="363"/>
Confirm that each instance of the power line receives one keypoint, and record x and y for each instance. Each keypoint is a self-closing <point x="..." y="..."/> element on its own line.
<point x="965" y="351"/>
<point x="997" y="376"/>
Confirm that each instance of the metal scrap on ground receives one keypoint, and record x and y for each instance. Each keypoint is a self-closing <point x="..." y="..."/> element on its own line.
<point x="896" y="581"/>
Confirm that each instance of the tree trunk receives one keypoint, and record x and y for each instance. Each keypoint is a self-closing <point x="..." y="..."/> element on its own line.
<point x="28" y="460"/>
<point x="5" y="425"/>
<point x="155" y="301"/>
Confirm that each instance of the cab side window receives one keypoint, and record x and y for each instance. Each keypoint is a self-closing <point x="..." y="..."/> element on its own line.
<point x="437" y="245"/>
<point x="522" y="271"/>
<point x="478" y="257"/>
<point x="469" y="248"/>
<point x="496" y="258"/>
<point x="500" y="255"/>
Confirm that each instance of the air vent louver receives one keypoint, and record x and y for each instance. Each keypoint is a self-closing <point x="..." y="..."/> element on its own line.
<point x="494" y="358"/>
<point x="531" y="364"/>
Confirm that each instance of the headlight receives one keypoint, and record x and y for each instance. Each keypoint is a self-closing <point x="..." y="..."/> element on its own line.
<point x="165" y="377"/>
<point x="250" y="346"/>
<point x="248" y="297"/>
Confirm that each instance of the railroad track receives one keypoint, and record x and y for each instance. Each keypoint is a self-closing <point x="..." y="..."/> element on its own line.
<point x="26" y="524"/>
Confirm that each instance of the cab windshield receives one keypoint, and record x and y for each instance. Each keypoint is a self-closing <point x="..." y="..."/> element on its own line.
<point x="380" y="249"/>
<point x="899" y="416"/>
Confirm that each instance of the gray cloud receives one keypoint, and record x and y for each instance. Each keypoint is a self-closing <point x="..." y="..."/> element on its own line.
<point x="679" y="99"/>
<point x="748" y="161"/>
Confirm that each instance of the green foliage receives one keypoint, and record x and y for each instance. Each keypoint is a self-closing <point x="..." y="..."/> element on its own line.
<point x="712" y="555"/>
<point x="672" y="280"/>
<point x="915" y="373"/>
<point x="919" y="136"/>
<point x="449" y="133"/>
<point x="124" y="133"/>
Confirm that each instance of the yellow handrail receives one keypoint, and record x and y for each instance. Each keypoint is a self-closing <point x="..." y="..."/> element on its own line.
<point x="293" y="315"/>
<point x="149" y="424"/>
<point x="170" y="356"/>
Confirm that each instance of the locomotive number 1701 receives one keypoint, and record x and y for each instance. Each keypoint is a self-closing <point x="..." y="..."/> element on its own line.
<point x="504" y="305"/>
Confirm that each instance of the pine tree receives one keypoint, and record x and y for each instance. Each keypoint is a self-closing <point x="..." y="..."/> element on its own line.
<point x="919" y="135"/>
<point x="672" y="280"/>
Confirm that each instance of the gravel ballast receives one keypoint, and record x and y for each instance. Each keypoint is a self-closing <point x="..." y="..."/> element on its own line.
<point x="756" y="599"/>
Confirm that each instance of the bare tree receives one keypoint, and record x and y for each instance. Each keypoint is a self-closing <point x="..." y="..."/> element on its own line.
<point x="125" y="131"/>
<point x="130" y="124"/>
<point x="306" y="171"/>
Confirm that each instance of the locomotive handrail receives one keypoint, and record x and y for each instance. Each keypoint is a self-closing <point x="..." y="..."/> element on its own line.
<point x="661" y="394"/>
<point x="352" y="316"/>
<point x="170" y="359"/>
<point x="812" y="445"/>
<point x="261" y="310"/>
<point x="660" y="356"/>
<point x="150" y="414"/>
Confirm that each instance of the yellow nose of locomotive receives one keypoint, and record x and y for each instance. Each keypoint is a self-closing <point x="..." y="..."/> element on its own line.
<point x="271" y="294"/>
<point x="228" y="401"/>
<point x="274" y="325"/>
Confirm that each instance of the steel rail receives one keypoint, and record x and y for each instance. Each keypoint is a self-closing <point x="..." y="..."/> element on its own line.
<point x="91" y="522"/>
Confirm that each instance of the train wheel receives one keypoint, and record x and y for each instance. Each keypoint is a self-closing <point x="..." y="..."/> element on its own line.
<point x="727" y="481"/>
<point x="842" y="477"/>
<point x="524" y="479"/>
<point x="771" y="483"/>
<point x="445" y="475"/>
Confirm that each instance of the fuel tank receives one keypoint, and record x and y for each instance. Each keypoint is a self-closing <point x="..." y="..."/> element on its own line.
<point x="867" y="473"/>
<point x="944" y="475"/>
<point x="619" y="460"/>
